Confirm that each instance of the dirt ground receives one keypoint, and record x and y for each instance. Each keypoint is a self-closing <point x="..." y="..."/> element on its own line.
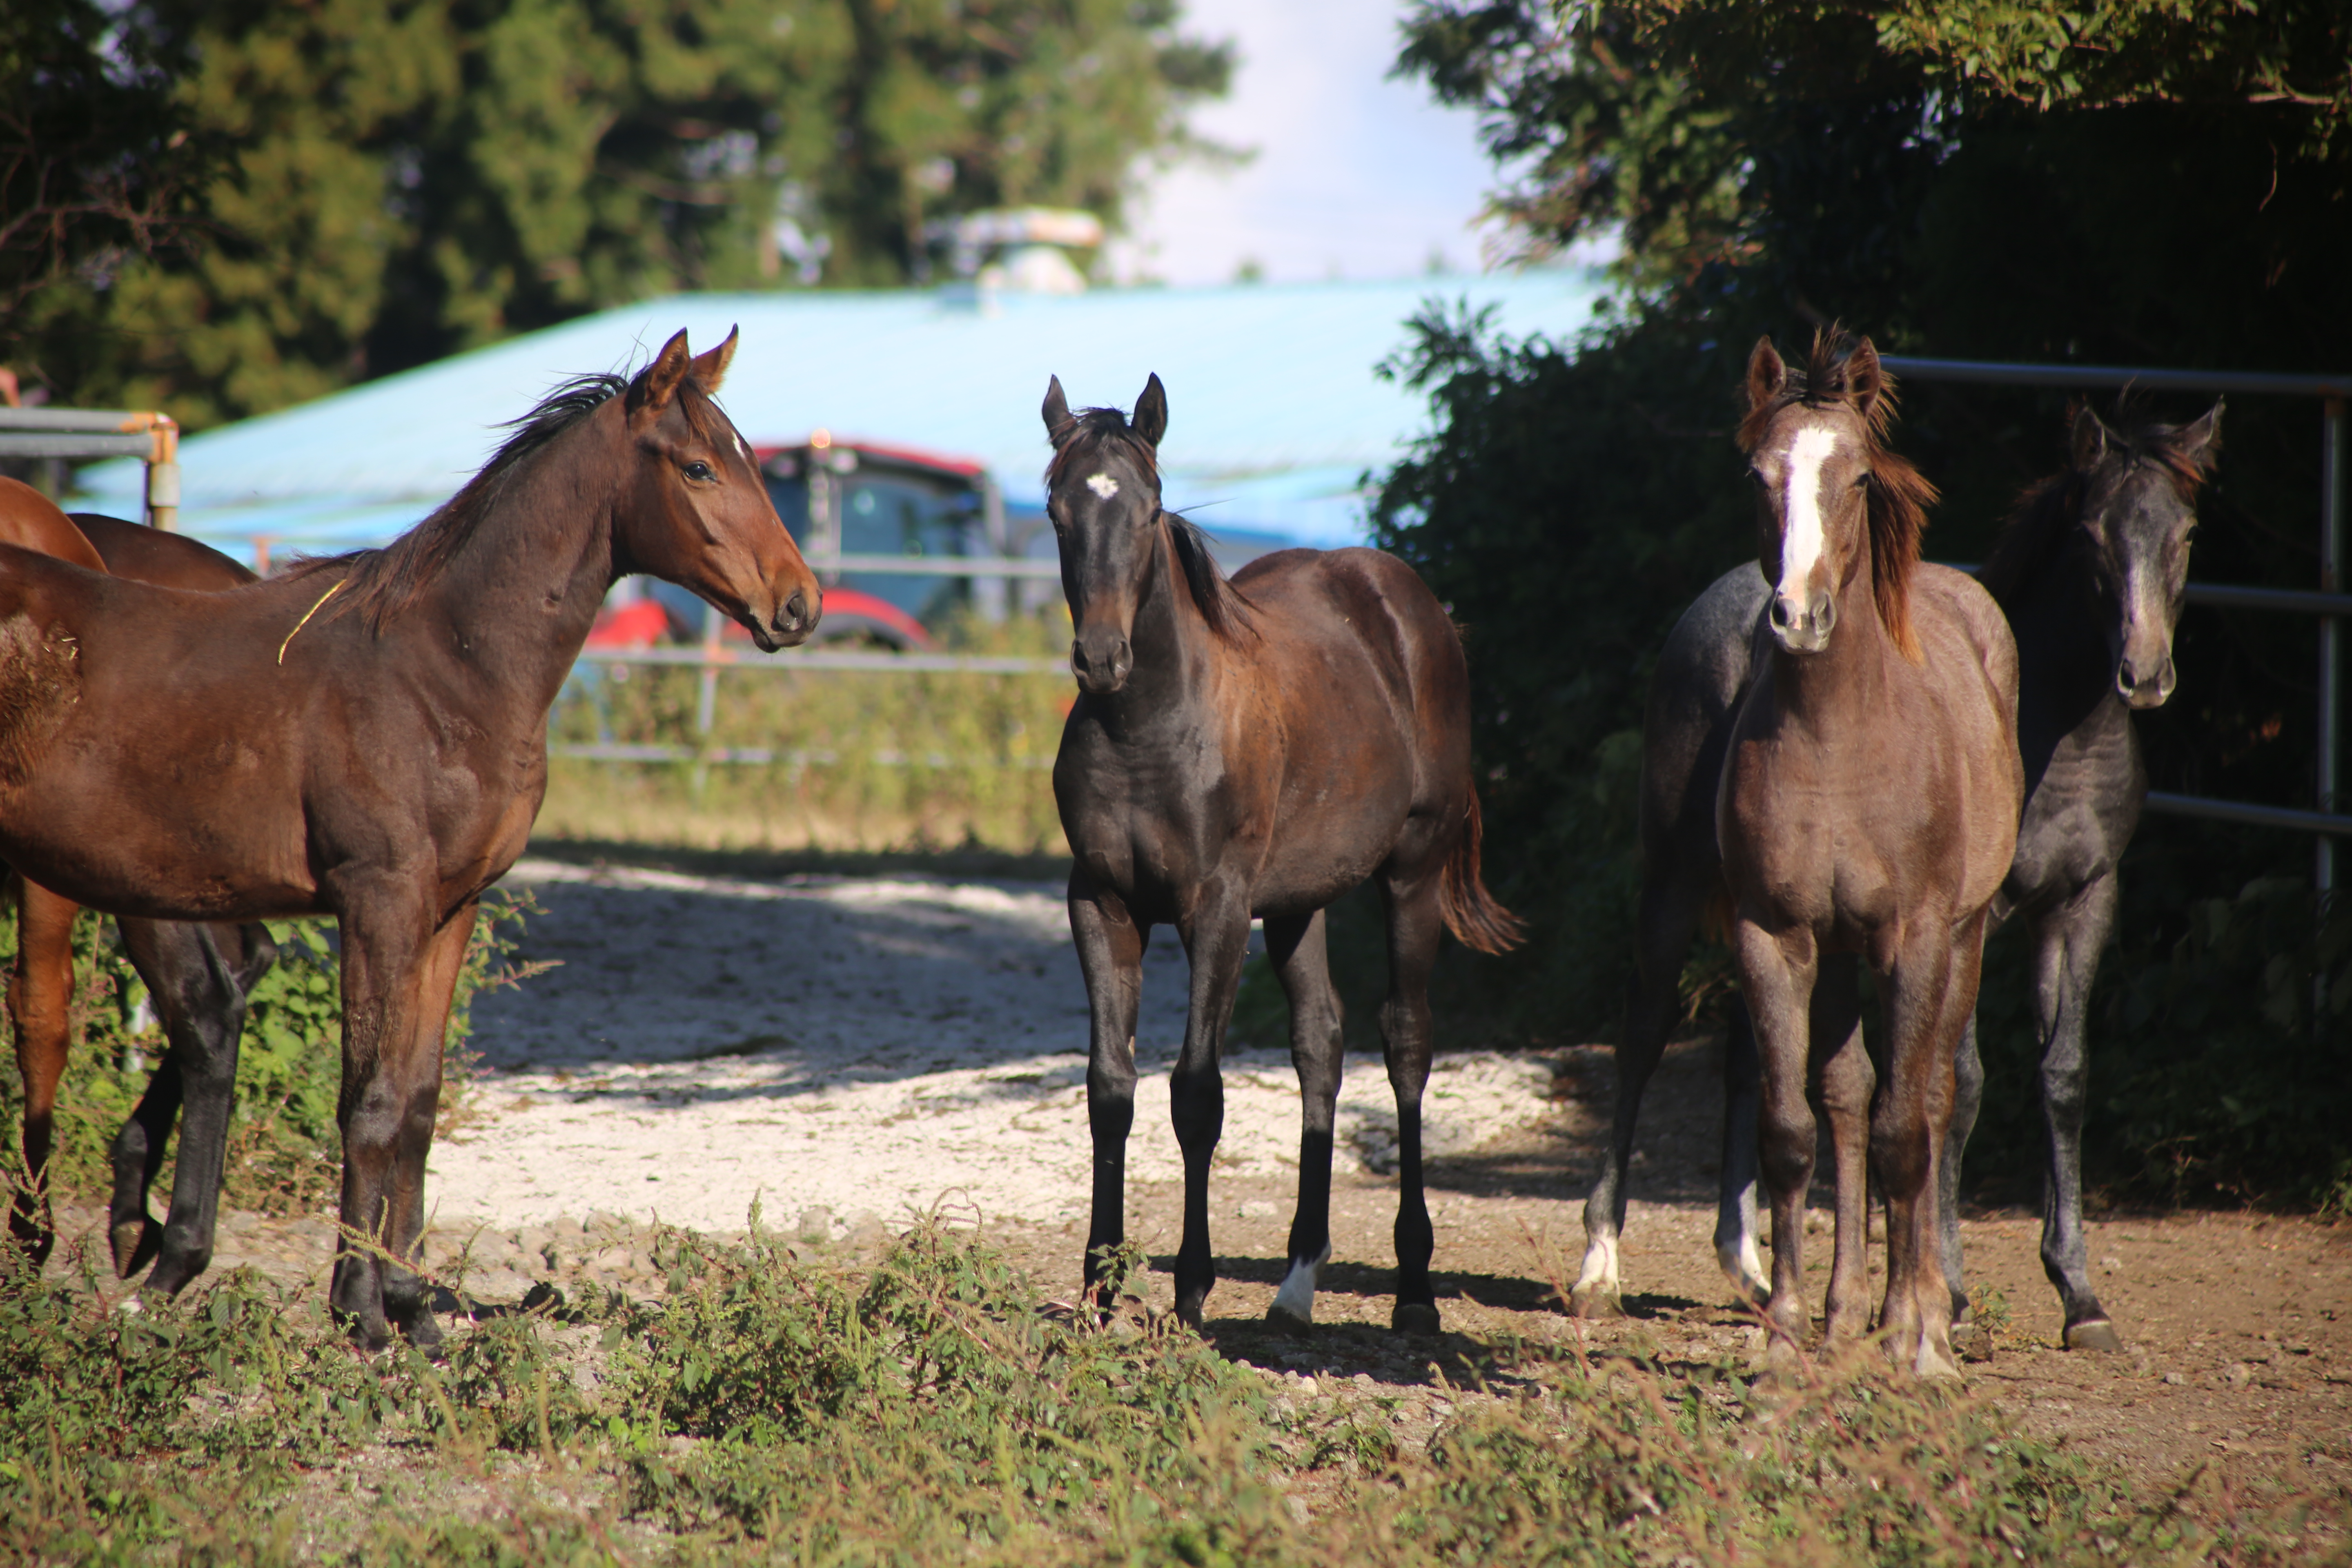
<point x="2239" y="1326"/>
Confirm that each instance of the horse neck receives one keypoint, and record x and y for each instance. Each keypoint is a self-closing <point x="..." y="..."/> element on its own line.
<point x="523" y="588"/>
<point x="2065" y="669"/>
<point x="1174" y="647"/>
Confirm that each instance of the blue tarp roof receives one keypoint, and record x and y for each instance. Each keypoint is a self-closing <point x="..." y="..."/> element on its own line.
<point x="1275" y="410"/>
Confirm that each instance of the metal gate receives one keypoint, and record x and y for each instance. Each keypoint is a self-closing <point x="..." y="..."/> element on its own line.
<point x="2328" y="601"/>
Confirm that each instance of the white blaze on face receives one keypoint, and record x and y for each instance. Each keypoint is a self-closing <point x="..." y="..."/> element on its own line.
<point x="1801" y="536"/>
<point x="1102" y="485"/>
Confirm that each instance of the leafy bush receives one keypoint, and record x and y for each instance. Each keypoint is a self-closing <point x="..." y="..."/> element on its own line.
<point x="284" y="1151"/>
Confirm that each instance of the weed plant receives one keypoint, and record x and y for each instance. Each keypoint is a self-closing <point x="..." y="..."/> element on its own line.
<point x="774" y="1407"/>
<point x="284" y="1151"/>
<point x="861" y="760"/>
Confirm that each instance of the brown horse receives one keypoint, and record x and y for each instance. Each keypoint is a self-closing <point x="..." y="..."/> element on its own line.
<point x="366" y="737"/>
<point x="1869" y="807"/>
<point x="198" y="976"/>
<point x="1252" y="749"/>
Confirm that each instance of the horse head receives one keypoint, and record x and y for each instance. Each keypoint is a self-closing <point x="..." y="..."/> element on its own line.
<point x="697" y="513"/>
<point x="1830" y="496"/>
<point x="2139" y="510"/>
<point x="1102" y="494"/>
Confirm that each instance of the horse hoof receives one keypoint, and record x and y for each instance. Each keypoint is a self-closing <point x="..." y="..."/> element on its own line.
<point x="134" y="1243"/>
<point x="2097" y="1334"/>
<point x="1416" y="1317"/>
<point x="1594" y="1301"/>
<point x="1281" y="1318"/>
<point x="1972" y="1342"/>
<point x="1189" y="1314"/>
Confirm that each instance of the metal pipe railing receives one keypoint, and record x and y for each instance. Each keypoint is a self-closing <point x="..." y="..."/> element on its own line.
<point x="2329" y="604"/>
<point x="103" y="433"/>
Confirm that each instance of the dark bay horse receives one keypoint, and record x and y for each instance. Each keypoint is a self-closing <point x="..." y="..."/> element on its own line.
<point x="1867" y="814"/>
<point x="2090" y="572"/>
<point x="198" y="976"/>
<point x="1252" y="749"/>
<point x="366" y="736"/>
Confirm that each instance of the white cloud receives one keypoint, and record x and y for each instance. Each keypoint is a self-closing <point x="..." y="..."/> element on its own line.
<point x="1356" y="176"/>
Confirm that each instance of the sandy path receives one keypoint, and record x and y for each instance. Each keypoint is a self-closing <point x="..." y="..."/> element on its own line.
<point x="867" y="1047"/>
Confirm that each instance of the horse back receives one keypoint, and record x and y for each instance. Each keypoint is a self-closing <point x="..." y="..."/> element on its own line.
<point x="31" y="520"/>
<point x="168" y="559"/>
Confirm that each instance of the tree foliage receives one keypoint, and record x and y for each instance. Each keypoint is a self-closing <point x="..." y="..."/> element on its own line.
<point x="400" y="179"/>
<point x="2166" y="186"/>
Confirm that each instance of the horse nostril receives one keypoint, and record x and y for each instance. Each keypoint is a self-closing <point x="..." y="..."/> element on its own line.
<point x="2126" y="679"/>
<point x="1780" y="613"/>
<point x="1824" y="611"/>
<point x="796" y="610"/>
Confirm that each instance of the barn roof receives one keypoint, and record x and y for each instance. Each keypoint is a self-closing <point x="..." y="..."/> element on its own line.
<point x="1276" y="410"/>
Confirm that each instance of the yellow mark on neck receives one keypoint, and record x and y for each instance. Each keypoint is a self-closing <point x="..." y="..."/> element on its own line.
<point x="306" y="618"/>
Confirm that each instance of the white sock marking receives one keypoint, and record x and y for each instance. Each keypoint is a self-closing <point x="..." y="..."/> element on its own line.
<point x="1297" y="1297"/>
<point x="1102" y="485"/>
<point x="1801" y="536"/>
<point x="1600" y="1264"/>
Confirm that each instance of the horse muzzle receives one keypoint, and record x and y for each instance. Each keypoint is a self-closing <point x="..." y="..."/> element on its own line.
<point x="1802" y="627"/>
<point x="2145" y="683"/>
<point x="1101" y="663"/>
<point x="792" y="623"/>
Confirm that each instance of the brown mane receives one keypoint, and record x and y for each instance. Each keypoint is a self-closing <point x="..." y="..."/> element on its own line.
<point x="2047" y="509"/>
<point x="380" y="583"/>
<point x="1899" y="496"/>
<point x="1088" y="432"/>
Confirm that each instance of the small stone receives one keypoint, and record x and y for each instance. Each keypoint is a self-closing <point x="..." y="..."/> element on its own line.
<point x="2237" y="1375"/>
<point x="2175" y="1379"/>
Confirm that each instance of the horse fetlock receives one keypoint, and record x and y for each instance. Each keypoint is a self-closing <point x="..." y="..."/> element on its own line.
<point x="134" y="1243"/>
<point x="1294" y="1302"/>
<point x="1744" y="1267"/>
<point x="1596" y="1291"/>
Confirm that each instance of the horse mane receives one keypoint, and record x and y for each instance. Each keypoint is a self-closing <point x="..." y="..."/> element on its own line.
<point x="1081" y="440"/>
<point x="1898" y="495"/>
<point x="381" y="583"/>
<point x="2048" y="509"/>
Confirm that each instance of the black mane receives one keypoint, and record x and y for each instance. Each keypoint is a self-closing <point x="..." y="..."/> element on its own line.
<point x="380" y="583"/>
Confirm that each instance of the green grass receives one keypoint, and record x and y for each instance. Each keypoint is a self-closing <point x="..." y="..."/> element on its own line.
<point x="932" y="1408"/>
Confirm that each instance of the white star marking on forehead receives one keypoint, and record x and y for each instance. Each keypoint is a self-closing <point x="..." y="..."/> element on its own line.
<point x="1801" y="543"/>
<point x="1102" y="485"/>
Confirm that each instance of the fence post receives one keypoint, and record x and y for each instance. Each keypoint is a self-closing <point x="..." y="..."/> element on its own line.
<point x="2331" y="553"/>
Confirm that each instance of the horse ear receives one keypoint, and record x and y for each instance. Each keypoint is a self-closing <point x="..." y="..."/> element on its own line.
<point x="657" y="382"/>
<point x="1056" y="411"/>
<point x="2091" y="439"/>
<point x="1151" y="420"/>
<point x="1865" y="379"/>
<point x="710" y="367"/>
<point x="2197" y="441"/>
<point x="1767" y="375"/>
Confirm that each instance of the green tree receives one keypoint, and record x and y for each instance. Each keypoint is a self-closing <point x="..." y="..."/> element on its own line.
<point x="400" y="179"/>
<point x="2153" y="184"/>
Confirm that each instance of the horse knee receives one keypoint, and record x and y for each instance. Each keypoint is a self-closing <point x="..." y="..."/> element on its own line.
<point x="1899" y="1155"/>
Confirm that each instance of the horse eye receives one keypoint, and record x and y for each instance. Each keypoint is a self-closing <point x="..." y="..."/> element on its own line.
<point x="1862" y="479"/>
<point x="699" y="472"/>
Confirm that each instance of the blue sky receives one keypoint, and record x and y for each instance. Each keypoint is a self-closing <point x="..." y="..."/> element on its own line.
<point x="1356" y="176"/>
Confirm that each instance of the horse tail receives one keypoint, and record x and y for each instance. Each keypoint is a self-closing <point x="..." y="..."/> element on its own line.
<point x="1470" y="912"/>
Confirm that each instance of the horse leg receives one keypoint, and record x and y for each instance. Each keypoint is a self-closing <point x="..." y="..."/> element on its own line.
<point x="1967" y="1097"/>
<point x="1110" y="955"/>
<point x="2067" y="943"/>
<point x="203" y="1008"/>
<point x="1777" y="973"/>
<point x="40" y="996"/>
<point x="1667" y="921"/>
<point x="1301" y="961"/>
<point x="1415" y="928"/>
<point x="1843" y="1079"/>
<point x="393" y="963"/>
<point x="1216" y="941"/>
<point x="1735" y="1208"/>
<point x="1929" y="994"/>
